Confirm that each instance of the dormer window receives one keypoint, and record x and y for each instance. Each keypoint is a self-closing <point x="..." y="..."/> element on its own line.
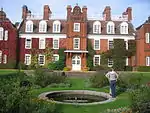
<point x="97" y="27"/>
<point x="56" y="26"/>
<point x="29" y="26"/>
<point x="110" y="28"/>
<point x="124" y="28"/>
<point x="76" y="27"/>
<point x="42" y="26"/>
<point x="1" y="33"/>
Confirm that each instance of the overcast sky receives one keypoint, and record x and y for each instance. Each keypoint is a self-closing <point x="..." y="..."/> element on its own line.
<point x="140" y="8"/>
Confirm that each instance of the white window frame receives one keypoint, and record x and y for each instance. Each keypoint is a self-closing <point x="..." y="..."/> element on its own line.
<point x="29" y="26"/>
<point x="110" y="62"/>
<point x="97" y="27"/>
<point x="74" y="44"/>
<point x="6" y="35"/>
<point x="124" y="28"/>
<point x="127" y="61"/>
<point x="43" y="59"/>
<point x="54" y="46"/>
<point x="43" y="26"/>
<point x="147" y="37"/>
<point x="5" y="59"/>
<point x="26" y="43"/>
<point x="56" y="26"/>
<point x="127" y="46"/>
<point x="95" y="56"/>
<point x="1" y="57"/>
<point x="110" y="27"/>
<point x="54" y="56"/>
<point x="41" y="43"/>
<point x="27" y="61"/>
<point x="76" y="27"/>
<point x="109" y="44"/>
<point x="1" y="33"/>
<point x="147" y="60"/>
<point x="96" y="45"/>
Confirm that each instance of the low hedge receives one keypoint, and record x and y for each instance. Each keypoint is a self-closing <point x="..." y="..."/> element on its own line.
<point x="143" y="68"/>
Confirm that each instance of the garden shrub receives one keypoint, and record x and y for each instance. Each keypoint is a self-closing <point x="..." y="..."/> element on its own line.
<point x="143" y="68"/>
<point x="98" y="80"/>
<point x="129" y="80"/>
<point x="140" y="100"/>
<point x="66" y="69"/>
<point x="128" y="68"/>
<point x="16" y="99"/>
<point x="101" y="68"/>
<point x="44" y="79"/>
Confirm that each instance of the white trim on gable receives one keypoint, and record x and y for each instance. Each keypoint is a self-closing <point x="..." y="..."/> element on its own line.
<point x="42" y="36"/>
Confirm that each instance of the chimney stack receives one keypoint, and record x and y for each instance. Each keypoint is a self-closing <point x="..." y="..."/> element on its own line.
<point x="84" y="10"/>
<point x="2" y="14"/>
<point x="24" y="12"/>
<point x="129" y="13"/>
<point x="47" y="12"/>
<point x="69" y="9"/>
<point x="107" y="13"/>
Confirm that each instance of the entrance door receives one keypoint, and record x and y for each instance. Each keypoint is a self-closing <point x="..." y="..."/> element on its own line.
<point x="76" y="63"/>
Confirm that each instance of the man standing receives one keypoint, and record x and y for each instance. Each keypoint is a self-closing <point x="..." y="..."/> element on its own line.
<point x="112" y="77"/>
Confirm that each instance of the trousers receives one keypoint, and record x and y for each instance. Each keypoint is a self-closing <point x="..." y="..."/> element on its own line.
<point x="113" y="88"/>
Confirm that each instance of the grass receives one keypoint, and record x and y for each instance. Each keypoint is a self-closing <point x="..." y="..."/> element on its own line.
<point x="7" y="71"/>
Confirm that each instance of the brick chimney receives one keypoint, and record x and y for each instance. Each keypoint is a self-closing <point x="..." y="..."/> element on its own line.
<point x="47" y="12"/>
<point x="84" y="10"/>
<point x="69" y="9"/>
<point x="129" y="13"/>
<point x="24" y="12"/>
<point x="107" y="13"/>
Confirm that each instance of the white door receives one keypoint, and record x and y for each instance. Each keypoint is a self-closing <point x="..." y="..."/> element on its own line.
<point x="76" y="63"/>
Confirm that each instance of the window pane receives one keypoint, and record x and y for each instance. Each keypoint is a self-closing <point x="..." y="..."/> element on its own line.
<point x="0" y="56"/>
<point x="111" y="46"/>
<point x="76" y="43"/>
<point x="41" y="60"/>
<point x="97" y="44"/>
<point x="28" y="44"/>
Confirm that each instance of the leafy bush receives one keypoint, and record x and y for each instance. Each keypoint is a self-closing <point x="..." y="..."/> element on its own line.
<point x="129" y="80"/>
<point x="140" y="100"/>
<point x="143" y="68"/>
<point x="17" y="99"/>
<point x="98" y="80"/>
<point x="66" y="69"/>
<point x="101" y="68"/>
<point x="128" y="68"/>
<point x="119" y="110"/>
<point x="44" y="79"/>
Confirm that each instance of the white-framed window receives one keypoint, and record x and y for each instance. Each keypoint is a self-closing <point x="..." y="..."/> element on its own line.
<point x="1" y="33"/>
<point x="6" y="35"/>
<point x="55" y="57"/>
<point x="27" y="59"/>
<point x="147" y="60"/>
<point x="147" y="37"/>
<point x="5" y="59"/>
<point x="110" y="27"/>
<point x="41" y="59"/>
<point x="110" y="44"/>
<point x="76" y="27"/>
<point x="96" y="60"/>
<point x="127" y="61"/>
<point x="124" y="28"/>
<point x="28" y="43"/>
<point x="56" y="26"/>
<point x="110" y="62"/>
<point x="76" y="43"/>
<point x="96" y="44"/>
<point x="43" y="26"/>
<point x="41" y="43"/>
<point x="55" y="43"/>
<point x="97" y="27"/>
<point x="0" y="57"/>
<point x="29" y="26"/>
<point x="126" y="43"/>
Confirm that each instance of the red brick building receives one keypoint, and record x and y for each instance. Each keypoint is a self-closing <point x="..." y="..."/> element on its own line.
<point x="8" y="42"/>
<point x="143" y="44"/>
<point x="72" y="34"/>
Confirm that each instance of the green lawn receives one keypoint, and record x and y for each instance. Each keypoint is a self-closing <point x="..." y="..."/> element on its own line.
<point x="7" y="71"/>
